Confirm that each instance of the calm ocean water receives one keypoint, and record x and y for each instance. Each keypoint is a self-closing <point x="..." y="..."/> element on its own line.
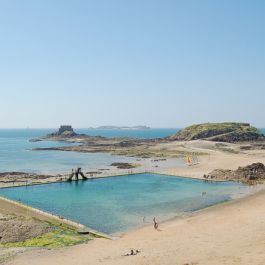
<point x="150" y="133"/>
<point x="16" y="154"/>
<point x="119" y="203"/>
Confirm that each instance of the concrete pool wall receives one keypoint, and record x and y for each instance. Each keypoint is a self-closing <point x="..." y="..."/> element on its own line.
<point x="13" y="207"/>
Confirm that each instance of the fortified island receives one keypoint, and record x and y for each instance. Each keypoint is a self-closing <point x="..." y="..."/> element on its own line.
<point x="65" y="131"/>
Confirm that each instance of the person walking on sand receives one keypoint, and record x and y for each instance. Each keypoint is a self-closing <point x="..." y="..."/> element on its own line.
<point x="155" y="224"/>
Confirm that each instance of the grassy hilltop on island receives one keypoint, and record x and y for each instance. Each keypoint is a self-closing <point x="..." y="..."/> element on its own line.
<point x="220" y="132"/>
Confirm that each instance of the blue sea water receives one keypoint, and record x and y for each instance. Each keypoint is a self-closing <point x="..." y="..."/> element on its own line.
<point x="148" y="133"/>
<point x="16" y="150"/>
<point x="117" y="204"/>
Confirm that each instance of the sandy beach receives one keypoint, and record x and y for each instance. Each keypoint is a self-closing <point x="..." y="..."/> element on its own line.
<point x="215" y="158"/>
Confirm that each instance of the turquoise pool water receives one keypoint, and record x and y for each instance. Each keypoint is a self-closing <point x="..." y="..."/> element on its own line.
<point x="117" y="204"/>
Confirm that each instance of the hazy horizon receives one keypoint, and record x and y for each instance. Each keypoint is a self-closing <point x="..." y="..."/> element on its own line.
<point x="96" y="127"/>
<point x="164" y="64"/>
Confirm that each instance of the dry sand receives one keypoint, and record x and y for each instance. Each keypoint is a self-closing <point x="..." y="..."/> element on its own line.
<point x="214" y="161"/>
<point x="230" y="157"/>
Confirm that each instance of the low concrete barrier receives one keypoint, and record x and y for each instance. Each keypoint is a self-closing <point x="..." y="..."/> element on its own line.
<point x="14" y="207"/>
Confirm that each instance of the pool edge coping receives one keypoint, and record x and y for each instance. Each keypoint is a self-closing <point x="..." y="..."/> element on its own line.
<point x="120" y="175"/>
<point x="46" y="216"/>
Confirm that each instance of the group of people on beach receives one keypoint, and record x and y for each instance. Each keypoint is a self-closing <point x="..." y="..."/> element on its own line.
<point x="132" y="252"/>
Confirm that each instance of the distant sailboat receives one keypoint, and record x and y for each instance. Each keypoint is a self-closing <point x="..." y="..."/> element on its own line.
<point x="191" y="160"/>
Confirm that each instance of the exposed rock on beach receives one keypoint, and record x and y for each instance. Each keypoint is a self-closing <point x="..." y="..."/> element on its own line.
<point x="65" y="131"/>
<point x="8" y="179"/>
<point x="250" y="173"/>
<point x="121" y="165"/>
<point x="17" y="228"/>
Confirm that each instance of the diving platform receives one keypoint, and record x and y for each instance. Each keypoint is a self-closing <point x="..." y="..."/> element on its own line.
<point x="75" y="175"/>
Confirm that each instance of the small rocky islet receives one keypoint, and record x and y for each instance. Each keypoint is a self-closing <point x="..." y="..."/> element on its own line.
<point x="231" y="132"/>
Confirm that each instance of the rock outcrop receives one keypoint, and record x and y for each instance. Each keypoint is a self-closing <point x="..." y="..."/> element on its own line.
<point x="16" y="228"/>
<point x="250" y="173"/>
<point x="220" y="132"/>
<point x="64" y="131"/>
<point x="122" y="165"/>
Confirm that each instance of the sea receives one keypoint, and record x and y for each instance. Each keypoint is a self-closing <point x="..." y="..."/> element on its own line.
<point x="16" y="152"/>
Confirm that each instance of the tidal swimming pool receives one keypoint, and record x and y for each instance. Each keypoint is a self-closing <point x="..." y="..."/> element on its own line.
<point x="116" y="204"/>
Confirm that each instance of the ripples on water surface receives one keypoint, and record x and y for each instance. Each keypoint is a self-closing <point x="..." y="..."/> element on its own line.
<point x="119" y="203"/>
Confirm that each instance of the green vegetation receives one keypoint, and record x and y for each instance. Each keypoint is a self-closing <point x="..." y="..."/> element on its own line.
<point x="5" y="257"/>
<point x="59" y="237"/>
<point x="122" y="165"/>
<point x="149" y="152"/>
<point x="222" y="132"/>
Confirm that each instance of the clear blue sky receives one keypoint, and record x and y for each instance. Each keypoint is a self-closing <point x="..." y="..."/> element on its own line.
<point x="128" y="62"/>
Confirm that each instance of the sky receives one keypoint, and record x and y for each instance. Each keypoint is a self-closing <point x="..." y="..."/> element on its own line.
<point x="161" y="63"/>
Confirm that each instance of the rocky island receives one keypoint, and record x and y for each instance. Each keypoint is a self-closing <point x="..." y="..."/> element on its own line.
<point x="65" y="132"/>
<point x="220" y="132"/>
